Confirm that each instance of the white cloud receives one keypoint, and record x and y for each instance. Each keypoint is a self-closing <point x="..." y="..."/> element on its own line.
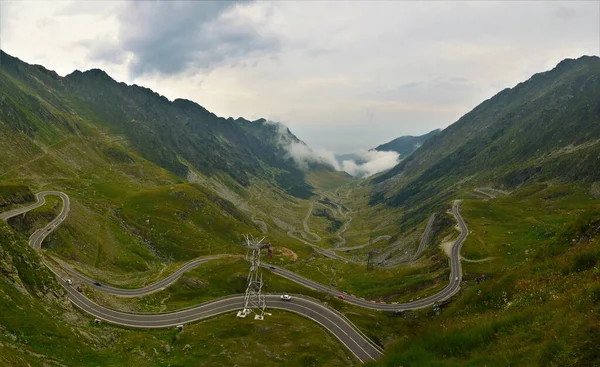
<point x="375" y="161"/>
<point x="301" y="153"/>
<point x="372" y="161"/>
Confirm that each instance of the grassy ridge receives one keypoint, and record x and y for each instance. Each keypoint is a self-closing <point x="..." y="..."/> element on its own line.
<point x="535" y="301"/>
<point x="542" y="129"/>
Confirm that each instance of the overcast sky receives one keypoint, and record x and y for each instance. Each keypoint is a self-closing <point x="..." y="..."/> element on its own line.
<point x="341" y="75"/>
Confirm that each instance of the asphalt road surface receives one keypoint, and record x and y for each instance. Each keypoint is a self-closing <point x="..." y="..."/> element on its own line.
<point x="424" y="238"/>
<point x="449" y="291"/>
<point x="334" y="322"/>
<point x="136" y="292"/>
<point x="348" y="334"/>
<point x="35" y="240"/>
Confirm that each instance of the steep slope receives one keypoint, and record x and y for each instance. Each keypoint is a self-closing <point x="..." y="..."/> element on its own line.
<point x="40" y="104"/>
<point x="124" y="178"/>
<point x="405" y="145"/>
<point x="545" y="128"/>
<point x="530" y="294"/>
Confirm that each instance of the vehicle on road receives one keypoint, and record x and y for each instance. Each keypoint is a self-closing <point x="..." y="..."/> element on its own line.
<point x="456" y="278"/>
<point x="272" y="267"/>
<point x="340" y="296"/>
<point x="286" y="297"/>
<point x="79" y="289"/>
<point x="97" y="284"/>
<point x="69" y="281"/>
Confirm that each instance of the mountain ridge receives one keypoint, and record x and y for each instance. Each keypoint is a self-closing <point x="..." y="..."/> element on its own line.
<point x="512" y="138"/>
<point x="406" y="144"/>
<point x="162" y="131"/>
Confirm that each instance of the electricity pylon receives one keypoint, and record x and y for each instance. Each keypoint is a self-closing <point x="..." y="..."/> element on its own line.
<point x="254" y="299"/>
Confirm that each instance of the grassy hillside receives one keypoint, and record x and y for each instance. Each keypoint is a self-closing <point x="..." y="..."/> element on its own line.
<point x="533" y="299"/>
<point x="42" y="105"/>
<point x="13" y="195"/>
<point x="78" y="135"/>
<point x="544" y="128"/>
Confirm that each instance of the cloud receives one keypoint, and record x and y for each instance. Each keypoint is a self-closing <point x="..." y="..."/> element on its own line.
<point x="304" y="156"/>
<point x="371" y="161"/>
<point x="301" y="153"/>
<point x="172" y="37"/>
<point x="375" y="161"/>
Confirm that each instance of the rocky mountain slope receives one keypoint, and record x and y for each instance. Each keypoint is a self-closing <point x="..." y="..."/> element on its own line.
<point x="547" y="127"/>
<point x="40" y="107"/>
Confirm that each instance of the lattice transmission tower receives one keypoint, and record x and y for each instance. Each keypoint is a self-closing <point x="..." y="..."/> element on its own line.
<point x="254" y="299"/>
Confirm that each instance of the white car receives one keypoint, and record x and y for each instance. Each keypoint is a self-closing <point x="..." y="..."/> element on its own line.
<point x="456" y="278"/>
<point x="285" y="297"/>
<point x="69" y="281"/>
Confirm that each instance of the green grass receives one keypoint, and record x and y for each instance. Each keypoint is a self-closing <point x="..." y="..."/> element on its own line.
<point x="38" y="326"/>
<point x="14" y="195"/>
<point x="183" y="221"/>
<point x="511" y="229"/>
<point x="380" y="284"/>
<point x="328" y="180"/>
<point x="110" y="188"/>
<point x="534" y="308"/>
<point x="211" y="280"/>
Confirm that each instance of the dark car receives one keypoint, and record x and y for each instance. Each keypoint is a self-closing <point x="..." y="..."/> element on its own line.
<point x="272" y="267"/>
<point x="98" y="284"/>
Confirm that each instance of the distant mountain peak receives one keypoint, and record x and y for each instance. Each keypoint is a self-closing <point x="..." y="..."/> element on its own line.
<point x="98" y="73"/>
<point x="406" y="144"/>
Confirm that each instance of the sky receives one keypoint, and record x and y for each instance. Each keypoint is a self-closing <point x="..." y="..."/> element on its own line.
<point x="343" y="76"/>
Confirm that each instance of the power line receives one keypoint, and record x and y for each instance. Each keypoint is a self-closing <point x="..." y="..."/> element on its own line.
<point x="254" y="299"/>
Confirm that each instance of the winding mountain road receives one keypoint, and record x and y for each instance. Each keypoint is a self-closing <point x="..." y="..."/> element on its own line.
<point x="362" y="348"/>
<point x="334" y="322"/>
<point x="425" y="237"/>
<point x="372" y="242"/>
<point x="307" y="230"/>
<point x="491" y="192"/>
<point x="449" y="291"/>
<point x="151" y="288"/>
